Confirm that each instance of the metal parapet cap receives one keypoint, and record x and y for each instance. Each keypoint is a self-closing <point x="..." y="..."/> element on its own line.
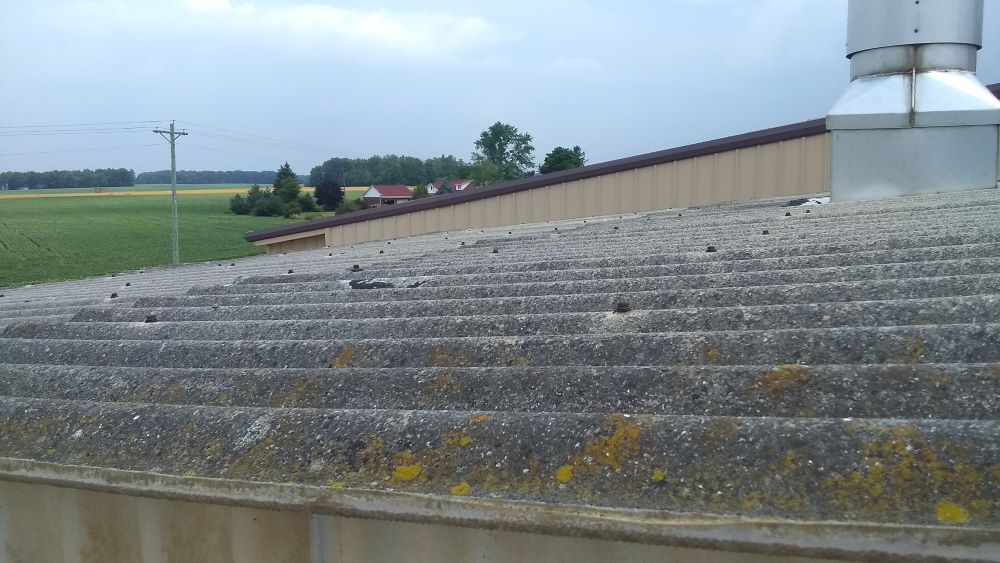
<point x="915" y="118"/>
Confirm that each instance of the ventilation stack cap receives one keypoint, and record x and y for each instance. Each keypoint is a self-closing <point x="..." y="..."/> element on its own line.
<point x="915" y="118"/>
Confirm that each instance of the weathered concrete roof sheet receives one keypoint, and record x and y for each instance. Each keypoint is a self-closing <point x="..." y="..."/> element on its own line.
<point x="838" y="363"/>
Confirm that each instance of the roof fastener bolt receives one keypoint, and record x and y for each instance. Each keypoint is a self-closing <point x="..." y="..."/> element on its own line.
<point x="356" y="268"/>
<point x="808" y="210"/>
<point x="232" y="265"/>
<point x="128" y="284"/>
<point x="788" y="214"/>
<point x="616" y="228"/>
<point x="152" y="319"/>
<point x="495" y="251"/>
<point x="291" y="271"/>
<point x="766" y="232"/>
<point x="114" y="295"/>
<point x="622" y="307"/>
<point x="463" y="244"/>
<point x="330" y="254"/>
<point x="712" y="249"/>
<point x="381" y="252"/>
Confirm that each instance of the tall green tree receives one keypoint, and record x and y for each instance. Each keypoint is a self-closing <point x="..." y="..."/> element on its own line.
<point x="506" y="149"/>
<point x="420" y="191"/>
<point x="286" y="184"/>
<point x="562" y="158"/>
<point x="328" y="193"/>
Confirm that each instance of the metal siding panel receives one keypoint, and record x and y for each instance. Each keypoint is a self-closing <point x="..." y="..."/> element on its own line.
<point x="609" y="194"/>
<point x="746" y="174"/>
<point x="556" y="202"/>
<point x="477" y="214"/>
<point x="506" y="203"/>
<point x="704" y="174"/>
<point x="666" y="185"/>
<point x="685" y="183"/>
<point x="461" y="215"/>
<point x="627" y="196"/>
<point x="645" y="185"/>
<point x="574" y="199"/>
<point x="539" y="205"/>
<point x="492" y="210"/>
<point x="522" y="207"/>
<point x="725" y="170"/>
<point x="591" y="193"/>
<point x="791" y="160"/>
<point x="391" y="227"/>
<point x="768" y="170"/>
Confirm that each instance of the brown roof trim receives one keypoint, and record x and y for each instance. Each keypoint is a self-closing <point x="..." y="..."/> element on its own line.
<point x="746" y="140"/>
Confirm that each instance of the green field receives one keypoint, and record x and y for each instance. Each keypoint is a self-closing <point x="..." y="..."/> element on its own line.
<point x="56" y="239"/>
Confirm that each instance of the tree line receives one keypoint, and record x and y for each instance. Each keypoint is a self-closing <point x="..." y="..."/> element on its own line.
<point x="99" y="178"/>
<point x="209" y="177"/>
<point x="388" y="169"/>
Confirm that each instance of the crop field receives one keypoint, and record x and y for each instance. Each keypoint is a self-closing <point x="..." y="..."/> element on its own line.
<point x="59" y="238"/>
<point x="149" y="190"/>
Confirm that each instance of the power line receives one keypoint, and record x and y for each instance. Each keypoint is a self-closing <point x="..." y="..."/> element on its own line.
<point x="234" y="135"/>
<point x="80" y="124"/>
<point x="80" y="150"/>
<point x="228" y="152"/>
<point x="51" y="132"/>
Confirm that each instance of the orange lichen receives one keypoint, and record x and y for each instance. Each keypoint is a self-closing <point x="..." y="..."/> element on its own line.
<point x="302" y="394"/>
<point x="720" y="432"/>
<point x="709" y="352"/>
<point x="479" y="418"/>
<point x="442" y="358"/>
<point x="611" y="451"/>
<point x="564" y="474"/>
<point x="344" y="359"/>
<point x="461" y="489"/>
<point x="337" y="485"/>
<point x="658" y="476"/>
<point x="457" y="440"/>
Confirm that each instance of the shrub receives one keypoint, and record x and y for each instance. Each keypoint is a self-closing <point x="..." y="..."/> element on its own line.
<point x="349" y="206"/>
<point x="307" y="203"/>
<point x="291" y="209"/>
<point x="239" y="205"/>
<point x="269" y="205"/>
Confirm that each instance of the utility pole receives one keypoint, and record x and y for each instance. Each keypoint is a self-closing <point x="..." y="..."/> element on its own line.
<point x="171" y="136"/>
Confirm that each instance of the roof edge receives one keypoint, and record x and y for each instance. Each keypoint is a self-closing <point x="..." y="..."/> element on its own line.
<point x="824" y="539"/>
<point x="745" y="140"/>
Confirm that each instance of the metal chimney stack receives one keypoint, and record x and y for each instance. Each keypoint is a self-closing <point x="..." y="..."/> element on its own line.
<point x="915" y="119"/>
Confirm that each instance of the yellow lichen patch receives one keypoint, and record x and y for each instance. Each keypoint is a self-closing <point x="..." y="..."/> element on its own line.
<point x="902" y="470"/>
<point x="780" y="380"/>
<point x="709" y="352"/>
<point x="343" y="359"/>
<point x="951" y="513"/>
<point x="612" y="451"/>
<point x="337" y="485"/>
<point x="302" y="394"/>
<point x="457" y="440"/>
<point x="188" y="474"/>
<point x="939" y="379"/>
<point x="915" y="352"/>
<point x="407" y="472"/>
<point x="658" y="476"/>
<point x="460" y="490"/>
<point x="479" y="418"/>
<point x="443" y="358"/>
<point x="223" y="400"/>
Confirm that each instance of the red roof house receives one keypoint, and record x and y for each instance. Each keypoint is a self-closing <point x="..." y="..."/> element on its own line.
<point x="386" y="195"/>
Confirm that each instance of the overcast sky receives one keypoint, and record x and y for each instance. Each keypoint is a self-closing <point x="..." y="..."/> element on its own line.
<point x="355" y="78"/>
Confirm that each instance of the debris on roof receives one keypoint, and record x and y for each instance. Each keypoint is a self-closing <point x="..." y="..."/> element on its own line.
<point x="844" y="366"/>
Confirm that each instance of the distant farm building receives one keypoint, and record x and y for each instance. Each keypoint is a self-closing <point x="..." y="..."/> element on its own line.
<point x="377" y="196"/>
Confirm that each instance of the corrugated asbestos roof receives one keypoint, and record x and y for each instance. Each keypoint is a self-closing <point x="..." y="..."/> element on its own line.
<point x="839" y="362"/>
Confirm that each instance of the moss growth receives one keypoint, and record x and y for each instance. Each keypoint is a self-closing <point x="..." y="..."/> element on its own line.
<point x="780" y="380"/>
<point x="304" y="393"/>
<point x="344" y="359"/>
<point x="915" y="352"/>
<point x="709" y="353"/>
<point x="443" y="358"/>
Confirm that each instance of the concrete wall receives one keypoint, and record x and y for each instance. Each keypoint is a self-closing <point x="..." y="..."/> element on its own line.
<point x="785" y="168"/>
<point x="49" y="524"/>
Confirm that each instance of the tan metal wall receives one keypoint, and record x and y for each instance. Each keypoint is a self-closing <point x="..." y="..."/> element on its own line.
<point x="786" y="168"/>
<point x="48" y="524"/>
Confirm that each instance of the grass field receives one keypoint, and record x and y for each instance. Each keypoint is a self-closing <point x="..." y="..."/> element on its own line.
<point x="149" y="189"/>
<point x="55" y="239"/>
